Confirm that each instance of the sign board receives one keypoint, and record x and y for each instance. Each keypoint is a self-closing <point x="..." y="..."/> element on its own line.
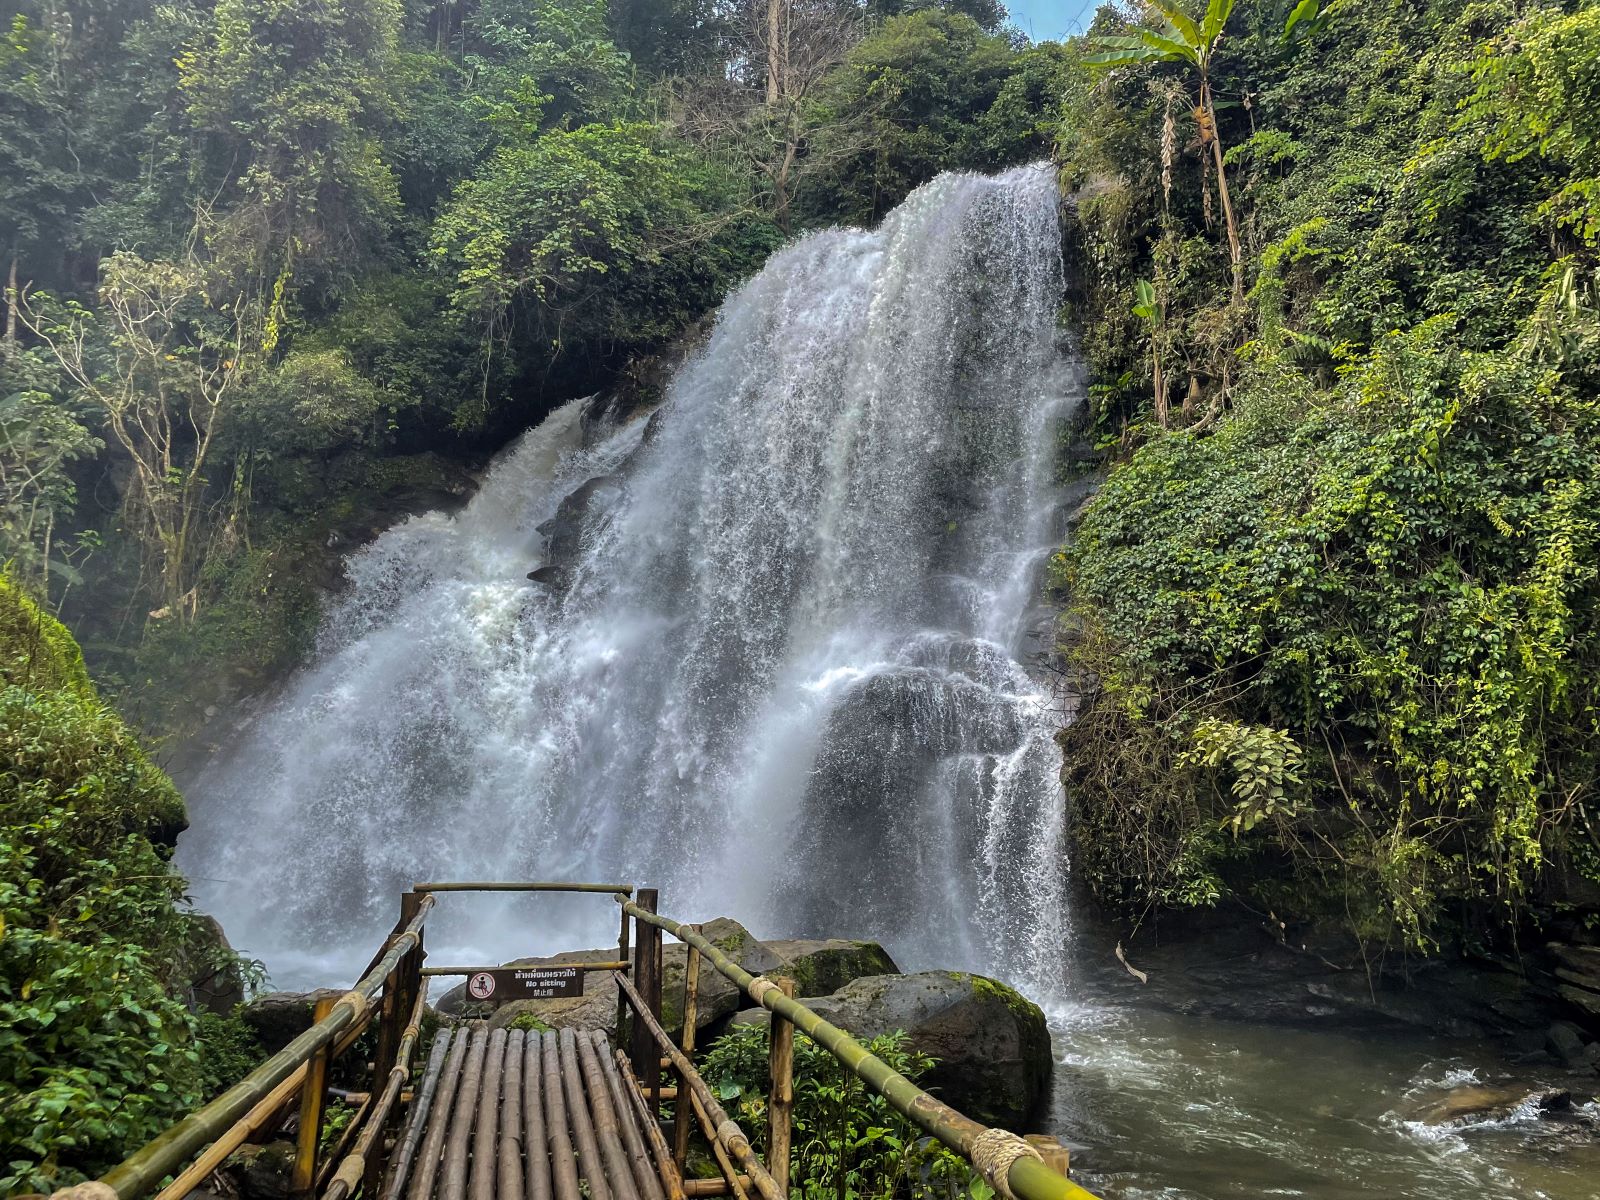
<point x="506" y="984"/>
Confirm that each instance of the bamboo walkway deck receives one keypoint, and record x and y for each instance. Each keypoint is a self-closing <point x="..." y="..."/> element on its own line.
<point x="513" y="1115"/>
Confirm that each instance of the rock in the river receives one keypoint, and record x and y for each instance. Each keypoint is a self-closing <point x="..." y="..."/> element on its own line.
<point x="1475" y="1104"/>
<point x="990" y="1042"/>
<point x="277" y="1018"/>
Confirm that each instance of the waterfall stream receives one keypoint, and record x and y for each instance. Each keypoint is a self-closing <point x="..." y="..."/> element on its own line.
<point x="771" y="661"/>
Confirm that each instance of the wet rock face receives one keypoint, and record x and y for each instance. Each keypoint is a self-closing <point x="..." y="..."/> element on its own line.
<point x="990" y="1043"/>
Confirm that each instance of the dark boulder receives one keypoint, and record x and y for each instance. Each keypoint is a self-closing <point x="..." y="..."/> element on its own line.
<point x="277" y="1018"/>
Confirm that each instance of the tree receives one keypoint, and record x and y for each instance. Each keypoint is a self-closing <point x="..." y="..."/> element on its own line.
<point x="291" y="94"/>
<point x="160" y="363"/>
<point x="1180" y="39"/>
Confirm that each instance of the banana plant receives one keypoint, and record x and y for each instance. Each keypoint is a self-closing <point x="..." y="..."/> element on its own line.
<point x="1178" y="37"/>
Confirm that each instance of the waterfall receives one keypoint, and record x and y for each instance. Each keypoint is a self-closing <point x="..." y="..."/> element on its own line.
<point x="770" y="660"/>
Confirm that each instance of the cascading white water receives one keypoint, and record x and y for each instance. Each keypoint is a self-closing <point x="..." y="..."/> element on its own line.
<point x="771" y="662"/>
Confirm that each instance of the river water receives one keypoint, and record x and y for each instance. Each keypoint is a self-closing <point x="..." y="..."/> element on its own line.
<point x="1170" y="1107"/>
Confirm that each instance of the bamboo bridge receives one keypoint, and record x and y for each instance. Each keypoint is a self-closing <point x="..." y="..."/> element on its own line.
<point x="508" y="1114"/>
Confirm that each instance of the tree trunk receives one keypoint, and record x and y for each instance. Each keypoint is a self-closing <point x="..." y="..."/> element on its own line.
<point x="1234" y="252"/>
<point x="1160" y="384"/>
<point x="10" y="346"/>
<point x="774" y="50"/>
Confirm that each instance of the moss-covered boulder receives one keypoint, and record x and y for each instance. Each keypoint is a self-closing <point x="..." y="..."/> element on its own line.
<point x="818" y="967"/>
<point x="990" y="1043"/>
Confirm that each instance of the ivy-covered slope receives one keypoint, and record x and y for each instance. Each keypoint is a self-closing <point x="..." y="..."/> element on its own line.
<point x="97" y="1050"/>
<point x="1336" y="606"/>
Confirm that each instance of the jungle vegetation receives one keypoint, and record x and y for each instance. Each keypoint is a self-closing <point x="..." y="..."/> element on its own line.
<point x="1336" y="605"/>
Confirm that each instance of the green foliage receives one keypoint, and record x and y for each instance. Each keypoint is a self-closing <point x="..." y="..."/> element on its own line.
<point x="847" y="1140"/>
<point x="97" y="1053"/>
<point x="926" y="92"/>
<point x="1340" y="632"/>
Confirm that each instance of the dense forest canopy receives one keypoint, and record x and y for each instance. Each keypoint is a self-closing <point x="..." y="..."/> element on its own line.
<point x="266" y="257"/>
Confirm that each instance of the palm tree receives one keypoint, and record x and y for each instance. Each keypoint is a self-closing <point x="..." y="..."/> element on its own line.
<point x="1180" y="39"/>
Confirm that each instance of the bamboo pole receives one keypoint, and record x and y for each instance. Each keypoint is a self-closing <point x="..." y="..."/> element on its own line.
<point x="667" y="1172"/>
<point x="313" y="1096"/>
<point x="780" y="1094"/>
<point x="258" y="1118"/>
<point x="727" y="1132"/>
<point x="371" y="1131"/>
<point x="535" y="1143"/>
<point x="488" y="1123"/>
<point x="691" y="1020"/>
<point x="458" y="1142"/>
<point x="577" y="966"/>
<point x="645" y="1180"/>
<point x="510" y="1146"/>
<point x="625" y="889"/>
<point x="1026" y="1176"/>
<point x="342" y="1147"/>
<point x="563" y="1161"/>
<point x="622" y="1003"/>
<point x="607" y="1126"/>
<point x="433" y="1147"/>
<point x="646" y="957"/>
<point x="417" y="1121"/>
<point x="737" y="1184"/>
<point x="141" y="1171"/>
<point x="693" y="1188"/>
<point x="589" y="1160"/>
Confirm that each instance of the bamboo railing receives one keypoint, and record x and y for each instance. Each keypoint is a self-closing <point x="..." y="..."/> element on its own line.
<point x="498" y="1115"/>
<point x="1010" y="1165"/>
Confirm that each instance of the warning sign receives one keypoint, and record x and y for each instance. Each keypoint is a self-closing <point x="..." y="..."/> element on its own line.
<point x="506" y="984"/>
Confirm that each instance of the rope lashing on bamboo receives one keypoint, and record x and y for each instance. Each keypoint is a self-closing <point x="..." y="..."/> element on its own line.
<point x="994" y="1151"/>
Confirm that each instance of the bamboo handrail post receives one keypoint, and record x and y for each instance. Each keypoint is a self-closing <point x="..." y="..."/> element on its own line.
<point x="622" y="956"/>
<point x="647" y="992"/>
<point x="406" y="1019"/>
<point x="138" y="1174"/>
<point x="780" y="1095"/>
<point x="1027" y="1177"/>
<point x="691" y="1019"/>
<point x="313" y="1098"/>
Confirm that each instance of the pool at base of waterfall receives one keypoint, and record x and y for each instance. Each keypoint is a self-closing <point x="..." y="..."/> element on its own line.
<point x="1162" y="1106"/>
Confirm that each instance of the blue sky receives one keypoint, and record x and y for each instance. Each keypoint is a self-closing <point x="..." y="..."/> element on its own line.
<point x="1053" y="19"/>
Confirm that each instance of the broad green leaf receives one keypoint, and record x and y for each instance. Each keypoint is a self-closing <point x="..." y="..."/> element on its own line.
<point x="1306" y="10"/>
<point x="1117" y="58"/>
<point x="1217" y="14"/>
<point x="1167" y="47"/>
<point x="1182" y="23"/>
